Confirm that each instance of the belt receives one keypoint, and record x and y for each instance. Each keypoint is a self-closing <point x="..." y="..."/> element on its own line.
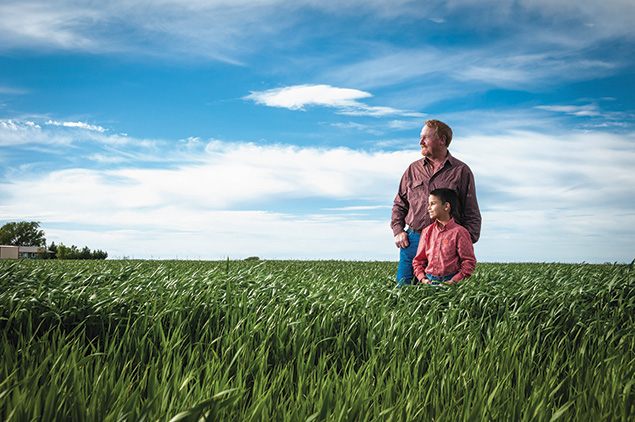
<point x="440" y="278"/>
<point x="412" y="229"/>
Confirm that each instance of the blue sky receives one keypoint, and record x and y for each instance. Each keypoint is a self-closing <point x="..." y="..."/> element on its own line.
<point x="212" y="129"/>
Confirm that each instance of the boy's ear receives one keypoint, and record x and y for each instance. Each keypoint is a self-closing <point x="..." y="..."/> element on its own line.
<point x="447" y="207"/>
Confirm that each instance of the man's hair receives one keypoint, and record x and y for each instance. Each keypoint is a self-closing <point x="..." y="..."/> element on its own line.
<point x="441" y="129"/>
<point x="446" y="195"/>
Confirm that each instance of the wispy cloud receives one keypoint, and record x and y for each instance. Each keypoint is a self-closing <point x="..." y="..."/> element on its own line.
<point x="592" y="115"/>
<point x="344" y="100"/>
<point x="504" y="65"/>
<point x="220" y="30"/>
<point x="44" y="24"/>
<point x="579" y="22"/>
<point x="579" y="111"/>
<point x="563" y="34"/>
<point x="7" y="90"/>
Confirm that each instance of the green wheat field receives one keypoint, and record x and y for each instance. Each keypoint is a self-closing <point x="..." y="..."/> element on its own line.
<point x="313" y="341"/>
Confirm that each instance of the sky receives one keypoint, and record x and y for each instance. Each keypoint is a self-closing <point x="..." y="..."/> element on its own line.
<point x="214" y="129"/>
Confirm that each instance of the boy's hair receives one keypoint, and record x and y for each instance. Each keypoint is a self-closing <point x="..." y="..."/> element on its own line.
<point x="446" y="195"/>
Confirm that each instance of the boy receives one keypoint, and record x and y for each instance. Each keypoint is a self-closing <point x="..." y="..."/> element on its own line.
<point x="445" y="253"/>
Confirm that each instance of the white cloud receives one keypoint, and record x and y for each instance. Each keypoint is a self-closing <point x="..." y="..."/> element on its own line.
<point x="50" y="134"/>
<point x="344" y="100"/>
<point x="225" y="176"/>
<point x="530" y="166"/>
<point x="236" y="234"/>
<point x="218" y="206"/>
<point x="22" y="132"/>
<point x="554" y="198"/>
<point x="16" y="125"/>
<point x="79" y="125"/>
<point x="230" y="199"/>
<point x="358" y="208"/>
<point x="299" y="96"/>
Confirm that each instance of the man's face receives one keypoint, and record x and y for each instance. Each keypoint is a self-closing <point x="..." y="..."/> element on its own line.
<point x="431" y="144"/>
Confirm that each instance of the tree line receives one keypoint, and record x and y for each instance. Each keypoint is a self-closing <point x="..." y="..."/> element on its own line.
<point x="28" y="233"/>
<point x="73" y="252"/>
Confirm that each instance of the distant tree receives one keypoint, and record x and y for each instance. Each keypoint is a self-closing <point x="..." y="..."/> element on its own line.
<point x="53" y="249"/>
<point x="85" y="253"/>
<point x="73" y="252"/>
<point x="64" y="252"/>
<point x="42" y="253"/>
<point x="26" y="233"/>
<point x="99" y="254"/>
<point x="23" y="233"/>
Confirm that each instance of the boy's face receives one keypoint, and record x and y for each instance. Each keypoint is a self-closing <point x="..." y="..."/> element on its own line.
<point x="437" y="210"/>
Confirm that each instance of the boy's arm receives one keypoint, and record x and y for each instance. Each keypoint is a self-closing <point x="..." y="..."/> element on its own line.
<point x="420" y="261"/>
<point x="467" y="259"/>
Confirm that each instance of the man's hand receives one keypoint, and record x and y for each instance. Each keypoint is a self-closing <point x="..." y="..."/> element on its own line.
<point x="401" y="240"/>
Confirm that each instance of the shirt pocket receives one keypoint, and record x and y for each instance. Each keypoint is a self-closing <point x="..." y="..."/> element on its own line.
<point x="448" y="247"/>
<point x="418" y="188"/>
<point x="418" y="195"/>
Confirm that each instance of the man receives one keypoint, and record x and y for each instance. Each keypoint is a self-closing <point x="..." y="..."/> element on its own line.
<point x="437" y="169"/>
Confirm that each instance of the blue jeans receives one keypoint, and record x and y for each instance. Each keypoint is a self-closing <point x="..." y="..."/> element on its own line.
<point x="438" y="281"/>
<point x="405" y="272"/>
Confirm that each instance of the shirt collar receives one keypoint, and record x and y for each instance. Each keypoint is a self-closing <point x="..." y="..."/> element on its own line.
<point x="447" y="226"/>
<point x="448" y="159"/>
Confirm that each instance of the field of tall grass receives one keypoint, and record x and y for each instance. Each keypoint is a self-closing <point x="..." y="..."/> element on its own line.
<point x="313" y="341"/>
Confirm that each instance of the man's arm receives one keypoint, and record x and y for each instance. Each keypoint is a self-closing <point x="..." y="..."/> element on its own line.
<point x="398" y="219"/>
<point x="471" y="215"/>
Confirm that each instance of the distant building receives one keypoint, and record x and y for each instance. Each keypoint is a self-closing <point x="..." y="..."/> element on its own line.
<point x="9" y="252"/>
<point x="22" y="252"/>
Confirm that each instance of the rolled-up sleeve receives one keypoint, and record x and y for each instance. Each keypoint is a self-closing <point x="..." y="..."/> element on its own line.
<point x="400" y="208"/>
